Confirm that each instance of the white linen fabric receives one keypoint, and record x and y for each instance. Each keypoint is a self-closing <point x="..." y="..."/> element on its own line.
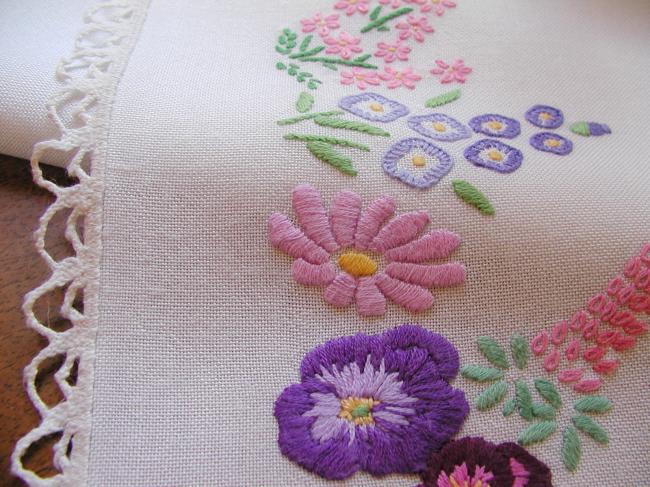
<point x="201" y="326"/>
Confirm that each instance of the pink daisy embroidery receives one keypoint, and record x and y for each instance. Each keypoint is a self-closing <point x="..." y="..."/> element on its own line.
<point x="457" y="71"/>
<point x="395" y="78"/>
<point x="362" y="78"/>
<point x="438" y="6"/>
<point x="392" y="51"/>
<point x="414" y="27"/>
<point x="344" y="46"/>
<point x="321" y="24"/>
<point x="352" y="6"/>
<point x="361" y="257"/>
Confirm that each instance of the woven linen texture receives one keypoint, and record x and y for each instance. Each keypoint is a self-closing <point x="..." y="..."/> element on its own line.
<point x="202" y="325"/>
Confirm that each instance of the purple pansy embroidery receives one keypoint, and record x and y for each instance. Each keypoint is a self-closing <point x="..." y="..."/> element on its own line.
<point x="550" y="142"/>
<point x="495" y="125"/>
<point x="373" y="107"/>
<point x="495" y="155"/>
<point x="378" y="403"/>
<point x="438" y="126"/>
<point x="474" y="462"/>
<point x="416" y="162"/>
<point x="545" y="117"/>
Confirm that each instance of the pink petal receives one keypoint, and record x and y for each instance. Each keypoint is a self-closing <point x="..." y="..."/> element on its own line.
<point x="588" y="385"/>
<point x="558" y="333"/>
<point x="624" y="343"/>
<point x="370" y="300"/>
<point x="605" y="367"/>
<point x="344" y="215"/>
<point x="312" y="274"/>
<point x="578" y="321"/>
<point x="569" y="375"/>
<point x="341" y="291"/>
<point x="442" y="64"/>
<point x="413" y="298"/>
<point x="593" y="354"/>
<point x="434" y="245"/>
<point x="286" y="237"/>
<point x="309" y="209"/>
<point x="399" y="230"/>
<point x="437" y="71"/>
<point x="539" y="343"/>
<point x="372" y="219"/>
<point x="552" y="361"/>
<point x="427" y="275"/>
<point x="572" y="352"/>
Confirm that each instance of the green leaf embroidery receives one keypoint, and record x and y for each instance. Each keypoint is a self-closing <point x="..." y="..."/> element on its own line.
<point x="472" y="195"/>
<point x="382" y="20"/>
<point x="305" y="102"/>
<point x="350" y="125"/>
<point x="480" y="373"/>
<point x="329" y="140"/>
<point x="524" y="400"/>
<point x="537" y="432"/>
<point x="580" y="128"/>
<point x="589" y="427"/>
<point x="593" y="404"/>
<point x="548" y="391"/>
<point x="571" y="448"/>
<point x="493" y="352"/>
<point x="375" y="12"/>
<point x="443" y="99"/>
<point x="300" y="118"/>
<point x="509" y="407"/>
<point x="543" y="411"/>
<point x="520" y="351"/>
<point x="492" y="396"/>
<point x="325" y="152"/>
<point x="305" y="43"/>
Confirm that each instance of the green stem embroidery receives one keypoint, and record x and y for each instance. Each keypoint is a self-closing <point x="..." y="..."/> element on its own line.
<point x="305" y="102"/>
<point x="325" y="152"/>
<point x="443" y="99"/>
<point x="305" y="43"/>
<point x="329" y="140"/>
<point x="301" y="76"/>
<point x="350" y="125"/>
<point x="311" y="52"/>
<point x="375" y="12"/>
<point x="382" y="20"/>
<point x="300" y="118"/>
<point x="331" y="60"/>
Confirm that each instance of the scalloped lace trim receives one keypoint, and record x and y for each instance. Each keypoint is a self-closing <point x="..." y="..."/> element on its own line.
<point x="81" y="111"/>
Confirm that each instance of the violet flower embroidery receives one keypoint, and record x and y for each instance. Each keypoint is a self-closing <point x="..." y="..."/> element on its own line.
<point x="495" y="155"/>
<point x="380" y="403"/>
<point x="344" y="250"/>
<point x="545" y="116"/>
<point x="495" y="125"/>
<point x="373" y="107"/>
<point x="550" y="142"/>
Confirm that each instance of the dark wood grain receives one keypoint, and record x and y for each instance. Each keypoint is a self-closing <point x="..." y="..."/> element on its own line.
<point x="22" y="269"/>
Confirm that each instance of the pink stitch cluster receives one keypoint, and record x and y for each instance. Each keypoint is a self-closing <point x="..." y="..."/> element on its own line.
<point x="609" y="321"/>
<point x="407" y="275"/>
<point x="352" y="6"/>
<point x="393" y="78"/>
<point x="448" y="73"/>
<point x="321" y="24"/>
<point x="344" y="46"/>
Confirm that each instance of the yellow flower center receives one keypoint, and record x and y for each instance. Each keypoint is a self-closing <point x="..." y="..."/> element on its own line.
<point x="439" y="127"/>
<point x="376" y="107"/>
<point x="392" y="49"/>
<point x="495" y="125"/>
<point x="495" y="155"/>
<point x="419" y="161"/>
<point x="552" y="143"/>
<point x="357" y="265"/>
<point x="545" y="116"/>
<point x="358" y="409"/>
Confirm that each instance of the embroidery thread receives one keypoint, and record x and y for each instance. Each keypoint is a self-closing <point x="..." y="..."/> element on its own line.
<point x="494" y="155"/>
<point x="472" y="195"/>
<point x="373" y="107"/>
<point x="590" y="128"/>
<point x="495" y="125"/>
<point x="550" y="142"/>
<point x="416" y="162"/>
<point x="454" y="72"/>
<point x="544" y="116"/>
<point x="443" y="99"/>
<point x="438" y="126"/>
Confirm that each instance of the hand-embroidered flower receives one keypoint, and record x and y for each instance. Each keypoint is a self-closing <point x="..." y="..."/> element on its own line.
<point x="373" y="107"/>
<point x="474" y="462"/>
<point x="456" y="71"/>
<point x="393" y="3"/>
<point x="495" y="155"/>
<point x="352" y="6"/>
<point x="395" y="78"/>
<point x="438" y="6"/>
<point x="321" y="24"/>
<point x="345" y="251"/>
<point x="414" y="27"/>
<point x="545" y="117"/>
<point x="361" y="77"/>
<point x="495" y="125"/>
<point x="438" y="126"/>
<point x="392" y="51"/>
<point x="550" y="142"/>
<point x="344" y="46"/>
<point x="378" y="403"/>
<point x="416" y="162"/>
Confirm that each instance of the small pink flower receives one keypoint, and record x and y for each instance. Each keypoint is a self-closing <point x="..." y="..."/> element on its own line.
<point x="393" y="3"/>
<point x="397" y="78"/>
<point x="456" y="72"/>
<point x="362" y="78"/>
<point x="344" y="46"/>
<point x="352" y="6"/>
<point x="390" y="52"/>
<point x="414" y="27"/>
<point x="321" y="24"/>
<point x="438" y="6"/>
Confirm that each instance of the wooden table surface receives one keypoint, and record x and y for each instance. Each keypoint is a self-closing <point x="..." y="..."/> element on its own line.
<point x="22" y="269"/>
